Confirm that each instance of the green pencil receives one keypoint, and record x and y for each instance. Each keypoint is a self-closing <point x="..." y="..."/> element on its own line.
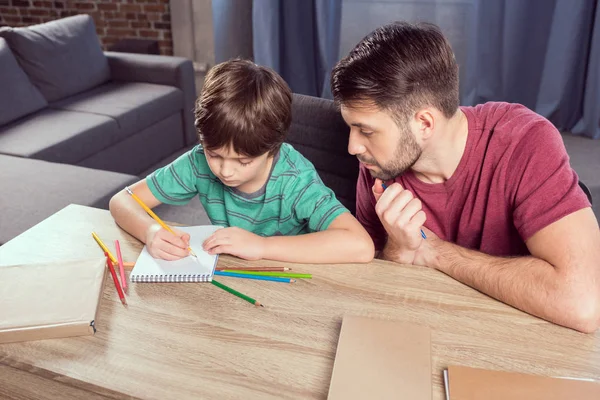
<point x="236" y="293"/>
<point x="277" y="274"/>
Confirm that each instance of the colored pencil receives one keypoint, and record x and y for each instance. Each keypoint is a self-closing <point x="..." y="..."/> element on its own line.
<point x="423" y="235"/>
<point x="115" y="280"/>
<point x="236" y="293"/>
<point x="269" y="273"/>
<point x="156" y="218"/>
<point x="128" y="264"/>
<point x="121" y="267"/>
<point x="103" y="247"/>
<point x="282" y="269"/>
<point x="256" y="277"/>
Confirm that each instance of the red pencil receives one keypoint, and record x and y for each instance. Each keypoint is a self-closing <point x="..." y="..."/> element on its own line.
<point x="114" y="276"/>
<point x="121" y="268"/>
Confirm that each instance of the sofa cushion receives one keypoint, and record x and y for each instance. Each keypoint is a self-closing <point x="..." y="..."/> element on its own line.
<point x="321" y="135"/>
<point x="61" y="57"/>
<point x="18" y="96"/>
<point x="133" y="105"/>
<point x="24" y="181"/>
<point x="58" y="135"/>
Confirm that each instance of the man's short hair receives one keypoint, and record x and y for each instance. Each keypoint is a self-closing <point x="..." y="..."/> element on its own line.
<point x="399" y="67"/>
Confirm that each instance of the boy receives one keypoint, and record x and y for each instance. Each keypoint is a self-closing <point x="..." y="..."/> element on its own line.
<point x="267" y="195"/>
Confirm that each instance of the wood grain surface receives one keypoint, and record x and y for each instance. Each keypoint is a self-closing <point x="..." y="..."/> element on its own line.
<point x="189" y="341"/>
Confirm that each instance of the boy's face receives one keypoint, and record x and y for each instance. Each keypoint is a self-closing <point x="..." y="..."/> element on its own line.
<point x="247" y="174"/>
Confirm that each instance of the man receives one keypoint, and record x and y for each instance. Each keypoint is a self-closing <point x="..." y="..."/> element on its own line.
<point x="490" y="186"/>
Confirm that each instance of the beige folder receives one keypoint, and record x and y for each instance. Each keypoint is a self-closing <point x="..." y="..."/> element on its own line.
<point x="381" y="359"/>
<point x="472" y="383"/>
<point x="50" y="300"/>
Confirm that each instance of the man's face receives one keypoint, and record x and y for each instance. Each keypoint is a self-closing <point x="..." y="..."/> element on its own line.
<point x="384" y="148"/>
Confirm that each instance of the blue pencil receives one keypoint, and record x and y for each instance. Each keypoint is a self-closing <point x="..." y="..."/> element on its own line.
<point x="257" y="277"/>
<point x="423" y="235"/>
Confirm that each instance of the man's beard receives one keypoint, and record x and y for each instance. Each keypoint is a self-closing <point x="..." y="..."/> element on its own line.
<point x="406" y="155"/>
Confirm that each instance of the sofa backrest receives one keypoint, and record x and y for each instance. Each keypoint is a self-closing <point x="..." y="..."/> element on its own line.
<point x="18" y="97"/>
<point x="61" y="57"/>
<point x="320" y="134"/>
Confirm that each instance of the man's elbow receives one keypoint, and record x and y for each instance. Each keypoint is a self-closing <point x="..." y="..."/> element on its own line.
<point x="586" y="314"/>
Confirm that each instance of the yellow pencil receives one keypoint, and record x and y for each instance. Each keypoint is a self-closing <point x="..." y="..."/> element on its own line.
<point x="104" y="248"/>
<point x="156" y="218"/>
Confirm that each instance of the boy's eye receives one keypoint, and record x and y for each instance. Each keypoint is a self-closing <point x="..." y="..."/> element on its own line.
<point x="245" y="163"/>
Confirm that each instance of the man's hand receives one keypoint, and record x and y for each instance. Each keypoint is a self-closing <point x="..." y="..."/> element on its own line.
<point x="237" y="242"/>
<point x="164" y="245"/>
<point x="402" y="217"/>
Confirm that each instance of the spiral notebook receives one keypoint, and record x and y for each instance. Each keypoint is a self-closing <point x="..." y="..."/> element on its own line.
<point x="188" y="269"/>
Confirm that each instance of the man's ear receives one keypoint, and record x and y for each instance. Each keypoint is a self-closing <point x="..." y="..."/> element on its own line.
<point x="425" y="123"/>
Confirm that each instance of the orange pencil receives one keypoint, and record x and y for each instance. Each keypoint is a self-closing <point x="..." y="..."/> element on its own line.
<point x="154" y="216"/>
<point x="121" y="268"/>
<point x="115" y="280"/>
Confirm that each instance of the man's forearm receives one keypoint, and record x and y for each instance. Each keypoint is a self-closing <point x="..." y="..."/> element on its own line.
<point x="527" y="283"/>
<point x="391" y="252"/>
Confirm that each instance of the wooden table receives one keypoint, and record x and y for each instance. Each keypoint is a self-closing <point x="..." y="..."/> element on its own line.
<point x="188" y="341"/>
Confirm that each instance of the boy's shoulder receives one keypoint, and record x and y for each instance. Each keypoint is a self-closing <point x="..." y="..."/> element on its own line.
<point x="291" y="164"/>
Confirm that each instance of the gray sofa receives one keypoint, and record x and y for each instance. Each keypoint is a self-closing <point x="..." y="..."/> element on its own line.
<point x="77" y="123"/>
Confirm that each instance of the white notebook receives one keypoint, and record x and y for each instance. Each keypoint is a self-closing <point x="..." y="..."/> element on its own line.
<point x="188" y="269"/>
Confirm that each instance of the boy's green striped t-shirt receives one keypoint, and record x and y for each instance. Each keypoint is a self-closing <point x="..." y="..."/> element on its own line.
<point x="293" y="201"/>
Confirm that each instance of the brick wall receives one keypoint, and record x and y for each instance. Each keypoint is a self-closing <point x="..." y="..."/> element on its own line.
<point x="114" y="19"/>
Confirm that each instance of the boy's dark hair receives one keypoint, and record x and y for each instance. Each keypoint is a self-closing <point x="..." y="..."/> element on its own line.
<point x="243" y="105"/>
<point x="399" y="67"/>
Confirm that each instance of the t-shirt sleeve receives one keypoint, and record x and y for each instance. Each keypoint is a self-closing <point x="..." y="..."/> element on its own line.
<point x="176" y="183"/>
<point x="313" y="202"/>
<point x="544" y="186"/>
<point x="365" y="209"/>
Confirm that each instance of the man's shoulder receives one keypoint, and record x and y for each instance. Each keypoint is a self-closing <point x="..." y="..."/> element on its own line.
<point x="511" y="124"/>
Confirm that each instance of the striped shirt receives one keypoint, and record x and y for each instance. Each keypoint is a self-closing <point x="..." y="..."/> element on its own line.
<point x="293" y="201"/>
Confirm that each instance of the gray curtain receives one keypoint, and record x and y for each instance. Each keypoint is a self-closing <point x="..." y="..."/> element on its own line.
<point x="299" y="39"/>
<point x="543" y="54"/>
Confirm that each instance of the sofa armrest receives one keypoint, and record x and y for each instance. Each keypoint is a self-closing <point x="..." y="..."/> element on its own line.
<point x="162" y="70"/>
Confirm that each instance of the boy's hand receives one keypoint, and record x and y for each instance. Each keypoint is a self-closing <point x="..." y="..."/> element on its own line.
<point x="237" y="242"/>
<point x="401" y="215"/>
<point x="164" y="245"/>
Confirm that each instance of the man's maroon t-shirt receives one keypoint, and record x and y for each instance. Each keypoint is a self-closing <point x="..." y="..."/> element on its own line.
<point x="513" y="179"/>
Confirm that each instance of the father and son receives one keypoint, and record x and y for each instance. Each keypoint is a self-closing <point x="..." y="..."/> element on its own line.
<point x="484" y="194"/>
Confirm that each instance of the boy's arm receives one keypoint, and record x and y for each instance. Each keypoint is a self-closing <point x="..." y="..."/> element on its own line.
<point x="344" y="241"/>
<point x="131" y="217"/>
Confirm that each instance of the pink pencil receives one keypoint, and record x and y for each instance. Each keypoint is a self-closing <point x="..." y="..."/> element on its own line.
<point x="121" y="269"/>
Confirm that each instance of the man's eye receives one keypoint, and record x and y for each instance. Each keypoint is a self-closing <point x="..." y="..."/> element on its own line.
<point x="367" y="134"/>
